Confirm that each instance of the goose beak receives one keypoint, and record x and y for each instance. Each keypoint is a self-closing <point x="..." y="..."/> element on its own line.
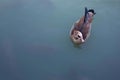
<point x="83" y="40"/>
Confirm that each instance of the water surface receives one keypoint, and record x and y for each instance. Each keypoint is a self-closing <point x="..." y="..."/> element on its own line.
<point x="35" y="44"/>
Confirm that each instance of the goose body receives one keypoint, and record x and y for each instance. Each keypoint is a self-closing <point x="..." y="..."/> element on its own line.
<point x="81" y="29"/>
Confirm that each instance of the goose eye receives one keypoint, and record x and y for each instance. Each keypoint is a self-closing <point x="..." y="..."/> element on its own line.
<point x="78" y="36"/>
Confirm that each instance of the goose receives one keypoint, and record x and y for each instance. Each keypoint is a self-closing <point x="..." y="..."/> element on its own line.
<point x="81" y="29"/>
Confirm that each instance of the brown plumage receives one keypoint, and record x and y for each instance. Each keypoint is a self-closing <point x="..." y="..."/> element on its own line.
<point x="81" y="29"/>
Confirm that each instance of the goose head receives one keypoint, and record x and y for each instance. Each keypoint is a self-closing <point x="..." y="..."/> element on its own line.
<point x="77" y="37"/>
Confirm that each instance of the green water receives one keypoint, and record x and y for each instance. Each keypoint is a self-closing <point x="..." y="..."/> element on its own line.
<point x="35" y="44"/>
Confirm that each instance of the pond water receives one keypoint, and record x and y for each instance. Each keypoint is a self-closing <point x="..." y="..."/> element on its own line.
<point x="35" y="44"/>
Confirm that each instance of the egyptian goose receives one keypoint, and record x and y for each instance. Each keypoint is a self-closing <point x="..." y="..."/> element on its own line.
<point x="81" y="29"/>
